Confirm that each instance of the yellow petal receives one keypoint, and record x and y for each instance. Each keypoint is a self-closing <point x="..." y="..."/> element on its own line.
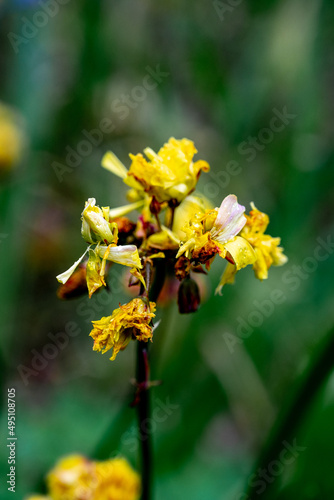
<point x="94" y="279"/>
<point x="279" y="259"/>
<point x="159" y="255"/>
<point x="137" y="274"/>
<point x="114" y="165"/>
<point x="241" y="252"/>
<point x="125" y="209"/>
<point x="228" y="277"/>
<point x="164" y="240"/>
<point x="260" y="266"/>
<point x="123" y="254"/>
<point x="186" y="248"/>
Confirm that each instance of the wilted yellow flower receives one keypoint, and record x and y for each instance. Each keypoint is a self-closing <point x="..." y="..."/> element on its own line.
<point x="267" y="249"/>
<point x="130" y="321"/>
<point x="167" y="175"/>
<point x="216" y="232"/>
<point x="77" y="478"/>
<point x="73" y="478"/>
<point x="96" y="228"/>
<point x="11" y="137"/>
<point x="116" y="481"/>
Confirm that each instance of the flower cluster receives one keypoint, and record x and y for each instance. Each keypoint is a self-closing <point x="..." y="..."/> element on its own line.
<point x="174" y="226"/>
<point x="77" y="478"/>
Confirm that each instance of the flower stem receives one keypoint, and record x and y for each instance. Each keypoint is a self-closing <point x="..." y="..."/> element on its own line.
<point x="143" y="409"/>
<point x="143" y="383"/>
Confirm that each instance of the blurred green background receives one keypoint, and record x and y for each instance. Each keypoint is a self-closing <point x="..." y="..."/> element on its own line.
<point x="226" y="70"/>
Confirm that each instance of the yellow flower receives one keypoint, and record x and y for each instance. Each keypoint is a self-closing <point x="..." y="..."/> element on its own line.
<point x="167" y="175"/>
<point x="267" y="249"/>
<point x="217" y="232"/>
<point x="73" y="478"/>
<point x="130" y="321"/>
<point x="77" y="478"/>
<point x="116" y="480"/>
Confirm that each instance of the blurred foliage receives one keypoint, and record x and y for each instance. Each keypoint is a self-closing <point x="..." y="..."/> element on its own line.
<point x="227" y="73"/>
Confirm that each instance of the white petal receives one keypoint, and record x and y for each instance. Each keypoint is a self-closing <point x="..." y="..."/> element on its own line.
<point x="113" y="164"/>
<point x="230" y="220"/>
<point x="62" y="278"/>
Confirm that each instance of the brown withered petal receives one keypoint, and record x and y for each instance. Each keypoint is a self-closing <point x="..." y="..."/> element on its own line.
<point x="75" y="286"/>
<point x="124" y="225"/>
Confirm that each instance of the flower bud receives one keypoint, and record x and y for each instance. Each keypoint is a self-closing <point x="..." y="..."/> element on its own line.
<point x="188" y="296"/>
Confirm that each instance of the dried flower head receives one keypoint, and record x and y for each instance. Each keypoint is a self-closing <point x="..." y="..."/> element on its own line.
<point x="130" y="321"/>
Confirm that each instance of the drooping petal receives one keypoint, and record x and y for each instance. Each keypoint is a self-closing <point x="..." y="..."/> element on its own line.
<point x="137" y="274"/>
<point x="241" y="252"/>
<point x="93" y="276"/>
<point x="260" y="265"/>
<point x="230" y="220"/>
<point x="62" y="278"/>
<point x="114" y="165"/>
<point x="123" y="254"/>
<point x="228" y="277"/>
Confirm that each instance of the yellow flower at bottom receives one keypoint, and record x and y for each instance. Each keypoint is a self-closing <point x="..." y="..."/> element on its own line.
<point x="116" y="481"/>
<point x="130" y="321"/>
<point x="38" y="497"/>
<point x="73" y="478"/>
<point x="78" y="478"/>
